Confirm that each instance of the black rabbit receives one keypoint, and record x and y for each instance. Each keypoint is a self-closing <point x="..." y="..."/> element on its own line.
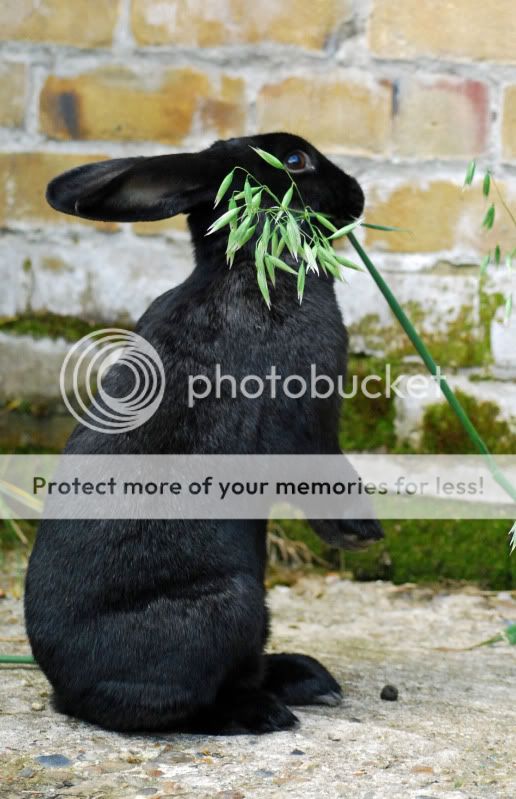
<point x="162" y="624"/>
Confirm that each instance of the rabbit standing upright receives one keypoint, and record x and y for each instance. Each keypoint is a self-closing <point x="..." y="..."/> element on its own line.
<point x="162" y="624"/>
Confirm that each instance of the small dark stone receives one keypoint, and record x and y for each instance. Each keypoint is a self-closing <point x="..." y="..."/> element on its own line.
<point x="389" y="693"/>
<point x="297" y="752"/>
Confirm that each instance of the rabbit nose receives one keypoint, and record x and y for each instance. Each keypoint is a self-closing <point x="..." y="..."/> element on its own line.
<point x="353" y="200"/>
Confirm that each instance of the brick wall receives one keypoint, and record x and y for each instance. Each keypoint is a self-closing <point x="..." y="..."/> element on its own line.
<point x="401" y="94"/>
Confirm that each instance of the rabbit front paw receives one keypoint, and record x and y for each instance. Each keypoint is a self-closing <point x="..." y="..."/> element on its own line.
<point x="348" y="533"/>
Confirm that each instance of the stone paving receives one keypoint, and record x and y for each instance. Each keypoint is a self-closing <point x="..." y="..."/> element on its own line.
<point x="450" y="735"/>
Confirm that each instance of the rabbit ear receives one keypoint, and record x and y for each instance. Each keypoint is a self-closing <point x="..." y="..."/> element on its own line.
<point x="135" y="189"/>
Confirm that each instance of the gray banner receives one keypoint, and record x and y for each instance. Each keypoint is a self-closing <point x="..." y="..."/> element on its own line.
<point x="255" y="486"/>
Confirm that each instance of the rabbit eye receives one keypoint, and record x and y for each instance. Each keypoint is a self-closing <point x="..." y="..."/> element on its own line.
<point x="298" y="161"/>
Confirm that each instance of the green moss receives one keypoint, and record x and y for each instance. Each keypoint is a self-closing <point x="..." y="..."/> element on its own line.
<point x="461" y="345"/>
<point x="37" y="408"/>
<point x="426" y="551"/>
<point x="433" y="550"/>
<point x="40" y="325"/>
<point x="488" y="305"/>
<point x="444" y="434"/>
<point x="29" y="449"/>
<point x="366" y="423"/>
<point x="464" y="342"/>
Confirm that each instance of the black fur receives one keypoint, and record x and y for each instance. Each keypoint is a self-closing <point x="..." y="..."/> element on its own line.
<point x="161" y="625"/>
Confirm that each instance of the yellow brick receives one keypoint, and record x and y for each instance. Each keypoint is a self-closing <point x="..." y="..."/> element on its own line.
<point x="441" y="118"/>
<point x="438" y="215"/>
<point x="509" y="124"/>
<point x="456" y="29"/>
<point x="471" y="235"/>
<point x="116" y="103"/>
<point x="83" y="23"/>
<point x="224" y="112"/>
<point x="175" y="224"/>
<point x="23" y="181"/>
<point x="336" y="115"/>
<point x="430" y="213"/>
<point x="13" y="79"/>
<point x="207" y="23"/>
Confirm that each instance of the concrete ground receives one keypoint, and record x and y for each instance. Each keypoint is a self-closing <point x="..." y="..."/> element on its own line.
<point x="450" y="735"/>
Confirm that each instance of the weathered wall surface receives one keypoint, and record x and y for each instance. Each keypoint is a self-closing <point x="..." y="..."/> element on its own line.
<point x="401" y="94"/>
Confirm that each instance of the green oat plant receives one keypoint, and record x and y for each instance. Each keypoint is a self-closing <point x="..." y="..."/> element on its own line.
<point x="494" y="196"/>
<point x="283" y="228"/>
<point x="496" y="257"/>
<point x="507" y="636"/>
<point x="296" y="229"/>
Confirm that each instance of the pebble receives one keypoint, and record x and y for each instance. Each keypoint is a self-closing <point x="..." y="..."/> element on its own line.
<point x="134" y="758"/>
<point x="229" y="795"/>
<point x="154" y="772"/>
<point x="389" y="693"/>
<point x="54" y="761"/>
<point x="37" y="706"/>
<point x="26" y="772"/>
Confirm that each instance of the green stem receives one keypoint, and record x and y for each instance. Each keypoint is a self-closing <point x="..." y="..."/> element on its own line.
<point x="258" y="183"/>
<point x="434" y="370"/>
<point x="502" y="200"/>
<point x="17" y="659"/>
